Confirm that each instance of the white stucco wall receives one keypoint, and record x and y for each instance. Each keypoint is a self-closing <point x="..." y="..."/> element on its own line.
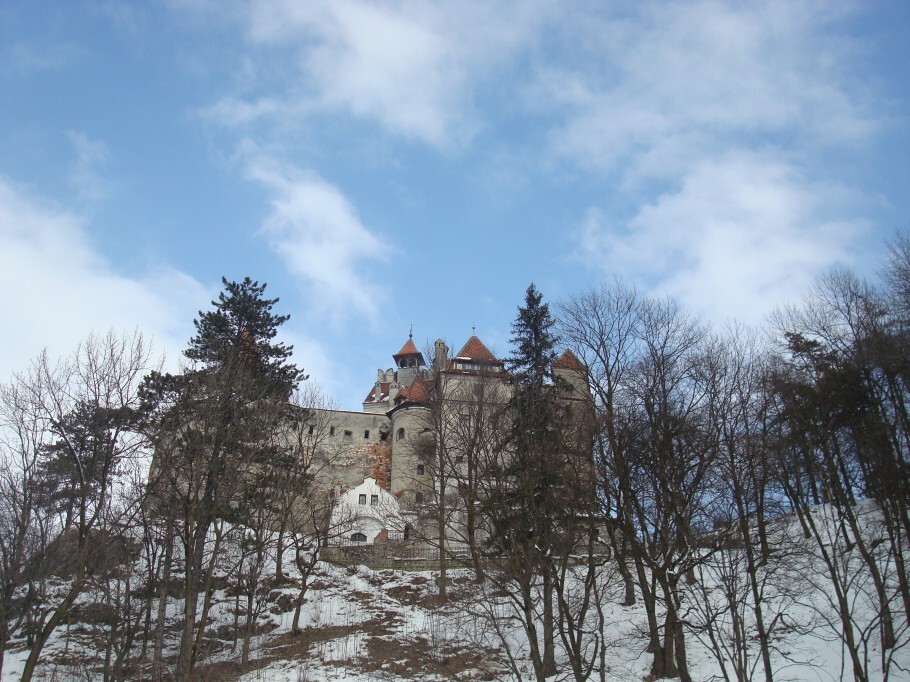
<point x="379" y="510"/>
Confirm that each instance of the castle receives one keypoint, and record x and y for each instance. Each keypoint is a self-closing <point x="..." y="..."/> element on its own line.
<point x="414" y="440"/>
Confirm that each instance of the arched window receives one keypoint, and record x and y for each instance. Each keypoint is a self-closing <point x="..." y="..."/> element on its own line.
<point x="358" y="537"/>
<point x="400" y="434"/>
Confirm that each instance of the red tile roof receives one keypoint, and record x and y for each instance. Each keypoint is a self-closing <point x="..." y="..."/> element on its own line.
<point x="408" y="349"/>
<point x="568" y="360"/>
<point x="475" y="350"/>
<point x="419" y="391"/>
<point x="384" y="392"/>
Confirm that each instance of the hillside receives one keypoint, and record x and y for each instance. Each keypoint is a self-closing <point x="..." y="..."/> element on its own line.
<point x="363" y="624"/>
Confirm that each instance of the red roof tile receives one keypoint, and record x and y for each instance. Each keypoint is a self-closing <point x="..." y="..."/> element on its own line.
<point x="408" y="349"/>
<point x="475" y="350"/>
<point x="419" y="391"/>
<point x="384" y="390"/>
<point x="568" y="360"/>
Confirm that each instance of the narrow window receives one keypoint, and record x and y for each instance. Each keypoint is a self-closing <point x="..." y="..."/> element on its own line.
<point x="383" y="435"/>
<point x="374" y="500"/>
<point x="420" y="469"/>
<point x="418" y="498"/>
<point x="366" y="434"/>
<point x="363" y="499"/>
<point x="331" y="430"/>
<point x="312" y="428"/>
<point x="400" y="434"/>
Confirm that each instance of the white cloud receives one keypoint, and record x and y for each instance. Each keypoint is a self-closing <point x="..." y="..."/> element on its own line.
<point x="90" y="186"/>
<point x="668" y="83"/>
<point x="319" y="236"/>
<point x="58" y="289"/>
<point x="413" y="68"/>
<point x="742" y="234"/>
<point x="26" y="59"/>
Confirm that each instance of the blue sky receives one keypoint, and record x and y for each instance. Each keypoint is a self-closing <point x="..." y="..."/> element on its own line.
<point x="383" y="165"/>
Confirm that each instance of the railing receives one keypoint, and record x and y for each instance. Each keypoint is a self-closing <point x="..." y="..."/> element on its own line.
<point x="392" y="555"/>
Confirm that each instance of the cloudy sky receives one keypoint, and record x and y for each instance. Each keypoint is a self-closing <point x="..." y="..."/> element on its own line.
<point x="388" y="164"/>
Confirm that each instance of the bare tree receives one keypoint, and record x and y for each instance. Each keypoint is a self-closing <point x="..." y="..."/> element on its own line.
<point x="75" y="424"/>
<point x="839" y="400"/>
<point x="654" y="378"/>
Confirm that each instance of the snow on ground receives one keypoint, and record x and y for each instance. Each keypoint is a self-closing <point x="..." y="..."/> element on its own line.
<point x="360" y="624"/>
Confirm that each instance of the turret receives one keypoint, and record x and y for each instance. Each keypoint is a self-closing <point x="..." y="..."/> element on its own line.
<point x="569" y="369"/>
<point x="409" y="360"/>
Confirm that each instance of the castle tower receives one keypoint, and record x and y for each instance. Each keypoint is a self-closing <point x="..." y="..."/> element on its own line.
<point x="570" y="370"/>
<point x="408" y="360"/>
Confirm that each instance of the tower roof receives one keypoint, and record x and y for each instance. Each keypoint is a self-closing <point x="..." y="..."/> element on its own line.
<point x="408" y="349"/>
<point x="417" y="392"/>
<point x="475" y="350"/>
<point x="568" y="360"/>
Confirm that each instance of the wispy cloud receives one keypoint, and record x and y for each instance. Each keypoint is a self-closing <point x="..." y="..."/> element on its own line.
<point x="89" y="184"/>
<point x="319" y="236"/>
<point x="716" y="120"/>
<point x="742" y="234"/>
<point x="413" y="69"/>
<point x="711" y="124"/>
<point x="667" y="84"/>
<point x="59" y="288"/>
<point x="27" y="59"/>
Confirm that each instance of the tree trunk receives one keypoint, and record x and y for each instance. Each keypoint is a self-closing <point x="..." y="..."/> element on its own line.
<point x="549" y="625"/>
<point x="247" y="633"/>
<point x="161" y="617"/>
<point x="207" y="596"/>
<point x="279" y="552"/>
<point x="46" y="632"/>
<point x="441" y="530"/>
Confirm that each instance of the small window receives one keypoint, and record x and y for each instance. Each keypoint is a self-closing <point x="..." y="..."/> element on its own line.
<point x="312" y="428"/>
<point x="374" y="500"/>
<point x="400" y="435"/>
<point x="358" y="537"/>
<point x="362" y="499"/>
<point x="459" y="459"/>
<point x="366" y="433"/>
<point x="418" y="498"/>
<point x="383" y="435"/>
<point x="420" y="469"/>
<point x="348" y="435"/>
<point x="331" y="430"/>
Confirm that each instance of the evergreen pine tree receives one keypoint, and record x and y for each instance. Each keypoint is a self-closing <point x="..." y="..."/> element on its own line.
<point x="534" y="341"/>
<point x="525" y="510"/>
<point x="242" y="328"/>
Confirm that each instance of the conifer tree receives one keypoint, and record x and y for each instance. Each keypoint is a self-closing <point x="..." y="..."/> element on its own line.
<point x="242" y="327"/>
<point x="217" y="431"/>
<point x="534" y="342"/>
<point x="524" y="507"/>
